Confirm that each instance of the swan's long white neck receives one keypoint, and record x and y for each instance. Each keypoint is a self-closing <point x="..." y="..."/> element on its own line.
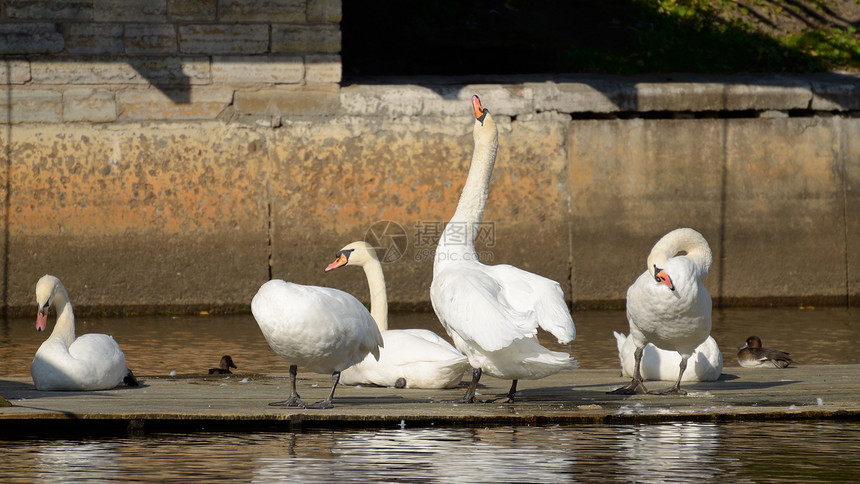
<point x="378" y="297"/>
<point x="64" y="328"/>
<point x="459" y="236"/>
<point x="684" y="240"/>
<point x="473" y="198"/>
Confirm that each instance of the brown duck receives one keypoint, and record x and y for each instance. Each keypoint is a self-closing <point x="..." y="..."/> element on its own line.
<point x="223" y="367"/>
<point x="752" y="355"/>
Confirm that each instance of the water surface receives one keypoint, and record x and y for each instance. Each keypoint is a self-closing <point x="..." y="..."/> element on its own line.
<point x="156" y="346"/>
<point x="672" y="452"/>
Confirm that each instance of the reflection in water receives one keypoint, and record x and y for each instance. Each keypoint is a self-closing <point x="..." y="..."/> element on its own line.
<point x="155" y="346"/>
<point x="428" y="455"/>
<point x="660" y="452"/>
<point x="674" y="452"/>
<point x="66" y="461"/>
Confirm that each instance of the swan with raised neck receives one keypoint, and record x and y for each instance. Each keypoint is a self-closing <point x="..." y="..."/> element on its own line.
<point x="492" y="313"/>
<point x="459" y="235"/>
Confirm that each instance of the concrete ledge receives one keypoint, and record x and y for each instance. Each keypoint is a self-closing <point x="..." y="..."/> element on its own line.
<point x="239" y="402"/>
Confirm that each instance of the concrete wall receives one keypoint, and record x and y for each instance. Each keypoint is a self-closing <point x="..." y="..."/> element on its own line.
<point x="183" y="173"/>
<point x="140" y="216"/>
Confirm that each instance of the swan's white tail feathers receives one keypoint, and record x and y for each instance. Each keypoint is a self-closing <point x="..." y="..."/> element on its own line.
<point x="538" y="300"/>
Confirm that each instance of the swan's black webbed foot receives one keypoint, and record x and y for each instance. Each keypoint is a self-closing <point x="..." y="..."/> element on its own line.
<point x="400" y="383"/>
<point x="469" y="397"/>
<point x="669" y="391"/>
<point x="509" y="398"/>
<point x="462" y="400"/>
<point x="130" y="380"/>
<point x="635" y="387"/>
<point x="293" y="401"/>
<point x="322" y="404"/>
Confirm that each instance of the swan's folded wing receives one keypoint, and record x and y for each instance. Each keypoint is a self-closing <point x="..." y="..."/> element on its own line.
<point x="409" y="346"/>
<point x="351" y="316"/>
<point x="334" y="315"/>
<point x="539" y="297"/>
<point x="431" y="338"/>
<point x="98" y="348"/>
<point x="468" y="302"/>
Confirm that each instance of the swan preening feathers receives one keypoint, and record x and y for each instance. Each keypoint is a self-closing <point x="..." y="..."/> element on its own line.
<point x="63" y="362"/>
<point x="668" y="305"/>
<point x="410" y="358"/>
<point x="492" y="313"/>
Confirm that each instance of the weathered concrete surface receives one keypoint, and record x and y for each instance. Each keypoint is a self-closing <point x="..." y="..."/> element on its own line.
<point x="239" y="402"/>
<point x="330" y="186"/>
<point x="189" y="214"/>
<point x="766" y="193"/>
<point x="138" y="217"/>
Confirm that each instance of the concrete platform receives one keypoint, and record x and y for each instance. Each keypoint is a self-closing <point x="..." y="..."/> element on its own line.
<point x="239" y="403"/>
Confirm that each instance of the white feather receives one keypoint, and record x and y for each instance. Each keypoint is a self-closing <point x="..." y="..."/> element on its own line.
<point x="63" y="362"/>
<point x="492" y="313"/>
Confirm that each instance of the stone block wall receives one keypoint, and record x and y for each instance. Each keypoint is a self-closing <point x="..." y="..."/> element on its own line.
<point x="105" y="61"/>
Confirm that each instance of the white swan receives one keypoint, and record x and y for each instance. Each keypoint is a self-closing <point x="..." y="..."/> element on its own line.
<point x="91" y="362"/>
<point x="320" y="328"/>
<point x="668" y="305"/>
<point x="411" y="358"/>
<point x="492" y="313"/>
<point x="705" y="364"/>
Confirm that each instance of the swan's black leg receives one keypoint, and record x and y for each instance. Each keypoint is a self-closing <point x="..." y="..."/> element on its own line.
<point x="509" y="398"/>
<point x="676" y="389"/>
<point x="469" y="397"/>
<point x="294" y="400"/>
<point x="323" y="404"/>
<point x="635" y="386"/>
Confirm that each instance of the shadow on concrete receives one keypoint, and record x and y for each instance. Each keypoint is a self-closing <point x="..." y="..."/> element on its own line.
<point x="167" y="75"/>
<point x="605" y="36"/>
<point x="16" y="390"/>
<point x="543" y="40"/>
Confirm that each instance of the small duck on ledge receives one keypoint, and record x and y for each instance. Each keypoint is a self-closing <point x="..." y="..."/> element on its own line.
<point x="223" y="367"/>
<point x="752" y="355"/>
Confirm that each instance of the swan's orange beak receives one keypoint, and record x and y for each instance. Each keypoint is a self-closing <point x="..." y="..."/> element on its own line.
<point x="664" y="278"/>
<point x="42" y="320"/>
<point x="480" y="112"/>
<point x="340" y="261"/>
